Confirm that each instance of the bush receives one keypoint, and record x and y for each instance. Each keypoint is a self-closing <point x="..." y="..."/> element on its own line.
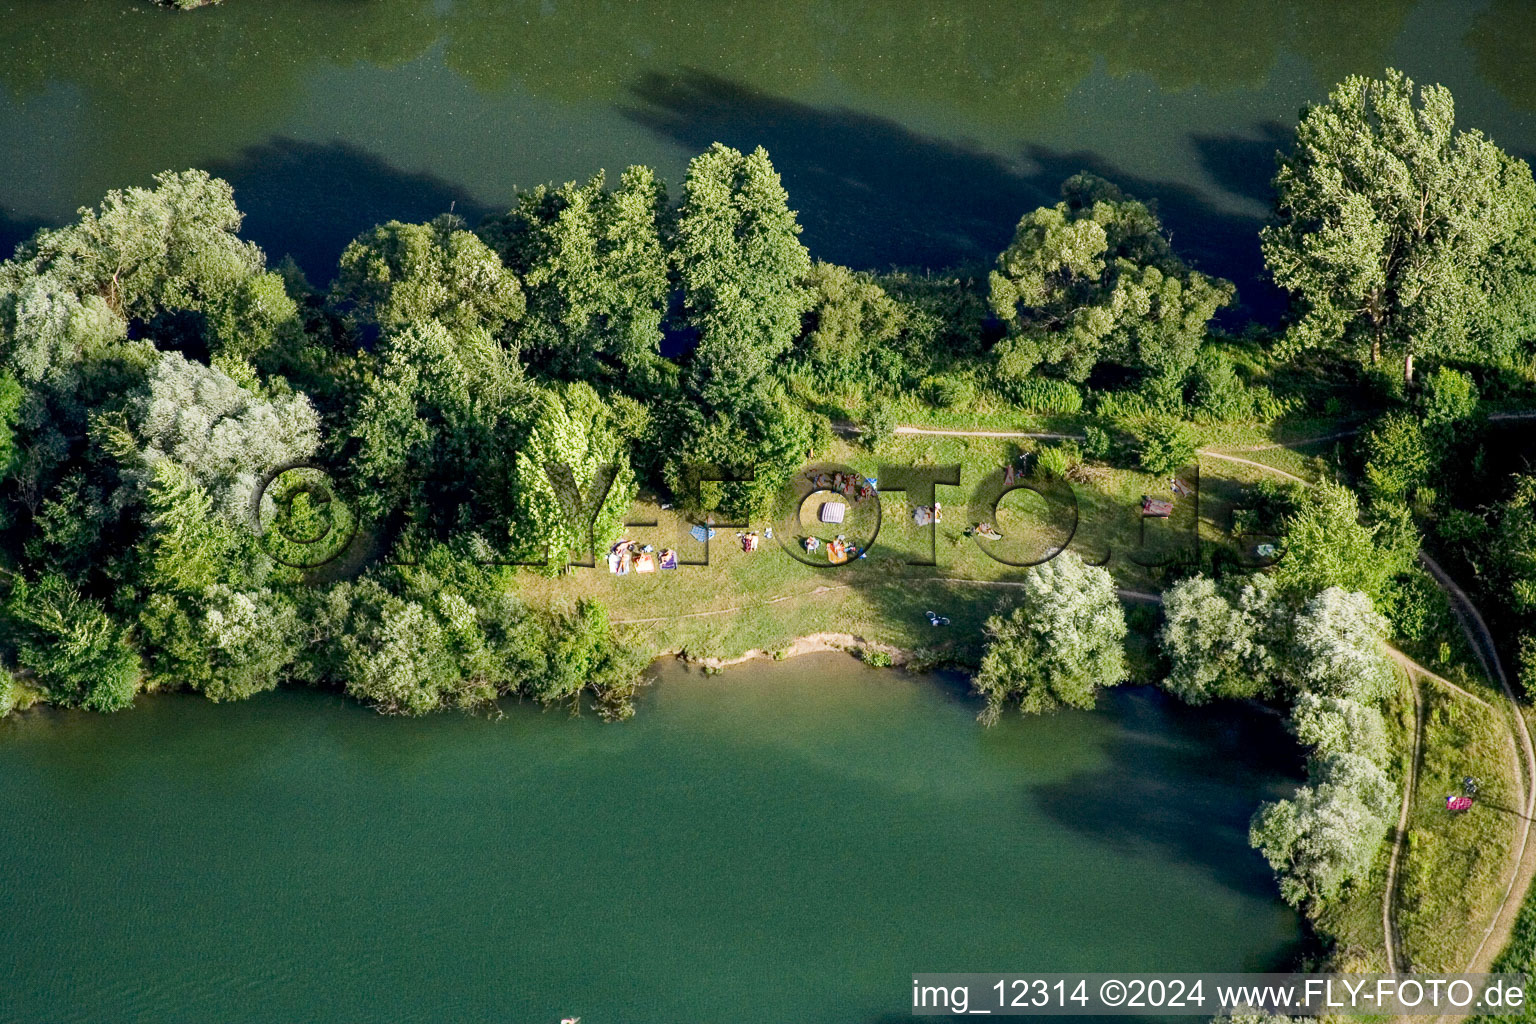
<point x="1056" y="461"/>
<point x="1097" y="443"/>
<point x="1167" y="446"/>
<point x="1045" y="394"/>
<point x="1218" y="391"/>
<point x="1447" y="397"/>
<point x="947" y="391"/>
<point x="879" y="423"/>
<point x="1396" y="458"/>
<point x="874" y="657"/>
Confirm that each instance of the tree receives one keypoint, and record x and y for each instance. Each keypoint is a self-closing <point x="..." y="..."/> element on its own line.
<point x="1397" y="234"/>
<point x="1326" y="545"/>
<point x="1065" y="639"/>
<point x="1397" y="458"/>
<point x="189" y="547"/>
<point x="1218" y="647"/>
<point x="70" y="293"/>
<point x="397" y="275"/>
<point x="1093" y="278"/>
<point x="432" y="427"/>
<point x="742" y="265"/>
<point x="71" y="646"/>
<point x="766" y="438"/>
<point x="1329" y="832"/>
<point x="1340" y="648"/>
<point x="583" y="655"/>
<point x="226" y="435"/>
<point x="595" y="271"/>
<point x="1338" y="725"/>
<point x="555" y="519"/>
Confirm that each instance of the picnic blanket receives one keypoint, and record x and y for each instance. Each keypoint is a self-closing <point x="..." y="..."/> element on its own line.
<point x="701" y="534"/>
<point x="1154" y="507"/>
<point x="832" y="511"/>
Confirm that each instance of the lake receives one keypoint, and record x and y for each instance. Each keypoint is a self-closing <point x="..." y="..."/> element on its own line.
<point x="780" y="842"/>
<point x="908" y="133"/>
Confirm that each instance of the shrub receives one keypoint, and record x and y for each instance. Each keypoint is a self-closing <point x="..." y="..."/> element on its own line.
<point x="1045" y="394"/>
<point x="875" y="657"/>
<point x="1167" y="446"/>
<point x="947" y="391"/>
<point x="1055" y="461"/>
<point x="1396" y="457"/>
<point x="1218" y="392"/>
<point x="1447" y="397"/>
<point x="1097" y="443"/>
<point x="879" y="423"/>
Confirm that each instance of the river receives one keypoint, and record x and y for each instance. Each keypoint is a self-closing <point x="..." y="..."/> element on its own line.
<point x="783" y="842"/>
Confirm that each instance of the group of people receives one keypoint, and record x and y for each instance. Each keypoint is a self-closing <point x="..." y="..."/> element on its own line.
<point x="849" y="485"/>
<point x="751" y="539"/>
<point x="627" y="556"/>
<point x="839" y="550"/>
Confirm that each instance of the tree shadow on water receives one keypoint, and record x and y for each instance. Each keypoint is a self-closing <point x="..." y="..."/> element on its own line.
<point x="14" y="231"/>
<point x="872" y="193"/>
<point x="1182" y="782"/>
<point x="310" y="199"/>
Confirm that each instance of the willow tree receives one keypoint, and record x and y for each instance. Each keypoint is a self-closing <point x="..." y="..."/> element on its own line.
<point x="1064" y="640"/>
<point x="1398" y="235"/>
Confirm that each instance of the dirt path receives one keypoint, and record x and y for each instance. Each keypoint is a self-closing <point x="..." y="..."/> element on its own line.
<point x="1410" y="782"/>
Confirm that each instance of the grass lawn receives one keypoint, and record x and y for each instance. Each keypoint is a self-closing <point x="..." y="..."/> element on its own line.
<point x="765" y="599"/>
<point x="1455" y="865"/>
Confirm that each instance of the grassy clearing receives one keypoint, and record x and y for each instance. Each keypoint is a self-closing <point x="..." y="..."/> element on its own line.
<point x="1352" y="922"/>
<point x="1455" y="864"/>
<point x="763" y="600"/>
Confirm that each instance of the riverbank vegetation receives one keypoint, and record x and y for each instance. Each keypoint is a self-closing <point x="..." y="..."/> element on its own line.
<point x="221" y="476"/>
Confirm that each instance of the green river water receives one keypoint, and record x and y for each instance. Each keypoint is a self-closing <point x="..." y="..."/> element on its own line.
<point x="784" y="842"/>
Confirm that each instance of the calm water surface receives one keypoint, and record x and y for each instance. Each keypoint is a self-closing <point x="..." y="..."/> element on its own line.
<point x="782" y="843"/>
<point x="908" y="132"/>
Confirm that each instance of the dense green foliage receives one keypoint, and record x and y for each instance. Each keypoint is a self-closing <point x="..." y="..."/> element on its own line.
<point x="1093" y="279"/>
<point x="1064" y="640"/>
<point x="462" y="399"/>
<point x="1399" y="235"/>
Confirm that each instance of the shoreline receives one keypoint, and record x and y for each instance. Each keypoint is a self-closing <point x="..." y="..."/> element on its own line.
<point x="812" y="643"/>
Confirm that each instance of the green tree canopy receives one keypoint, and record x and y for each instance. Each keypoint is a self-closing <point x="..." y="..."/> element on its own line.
<point x="224" y="433"/>
<point x="1064" y="640"/>
<point x="73" y="649"/>
<point x="1397" y="234"/>
<point x="1326" y="545"/>
<point x="431" y="426"/>
<point x="596" y="274"/>
<point x="742" y="269"/>
<point x="401" y="274"/>
<point x="573" y="431"/>
<point x="1219" y="645"/>
<point x="1093" y="278"/>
